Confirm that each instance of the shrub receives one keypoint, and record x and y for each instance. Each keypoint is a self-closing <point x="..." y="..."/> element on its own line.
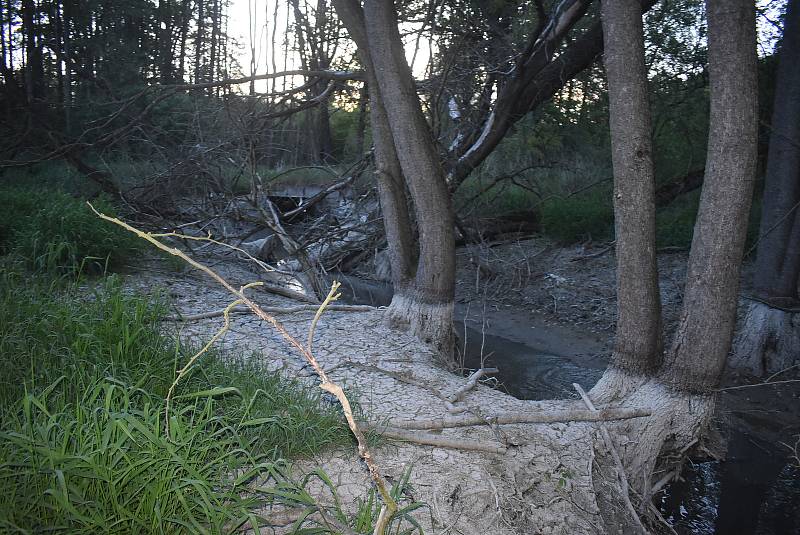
<point x="571" y="219"/>
<point x="53" y="231"/>
<point x="675" y="222"/>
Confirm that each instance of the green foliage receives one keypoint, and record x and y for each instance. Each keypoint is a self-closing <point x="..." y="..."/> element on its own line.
<point x="285" y="489"/>
<point x="675" y="222"/>
<point x="82" y="444"/>
<point x="575" y="218"/>
<point x="55" y="232"/>
<point x="344" y="131"/>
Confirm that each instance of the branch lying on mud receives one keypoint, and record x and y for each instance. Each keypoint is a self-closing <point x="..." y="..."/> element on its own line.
<point x="544" y="417"/>
<point x="440" y="441"/>
<point x="472" y="381"/>
<point x="389" y="506"/>
<point x="270" y="310"/>
<point x="620" y="469"/>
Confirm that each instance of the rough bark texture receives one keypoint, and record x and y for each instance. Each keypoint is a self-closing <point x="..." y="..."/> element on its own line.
<point x="680" y="396"/>
<point x="768" y="342"/>
<point x="637" y="349"/>
<point x="695" y="361"/>
<point x="391" y="187"/>
<point x="427" y="307"/>
<point x="778" y="260"/>
<point x="769" y="338"/>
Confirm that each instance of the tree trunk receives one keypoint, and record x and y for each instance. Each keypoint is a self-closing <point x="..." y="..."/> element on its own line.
<point x="681" y="395"/>
<point x="213" y="68"/>
<point x="198" y="41"/>
<point x="34" y="70"/>
<point x="427" y="306"/>
<point x="404" y="148"/>
<point x="637" y="350"/>
<point x="703" y="339"/>
<point x="164" y="36"/>
<point x="768" y="339"/>
<point x="391" y="185"/>
<point x="185" y="16"/>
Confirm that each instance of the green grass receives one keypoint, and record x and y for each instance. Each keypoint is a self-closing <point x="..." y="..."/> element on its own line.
<point x="83" y="446"/>
<point x="53" y="231"/>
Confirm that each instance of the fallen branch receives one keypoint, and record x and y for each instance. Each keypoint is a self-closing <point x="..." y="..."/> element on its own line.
<point x="544" y="417"/>
<point x="270" y="310"/>
<point x="472" y="381"/>
<point x="620" y="469"/>
<point x="319" y="197"/>
<point x="440" y="441"/>
<point x="389" y="506"/>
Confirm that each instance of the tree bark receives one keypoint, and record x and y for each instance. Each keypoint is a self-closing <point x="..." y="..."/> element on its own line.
<point x="391" y="185"/>
<point x="681" y="395"/>
<point x="696" y="359"/>
<point x="427" y="306"/>
<point x="637" y="350"/>
<point x="769" y="336"/>
<point x="777" y="266"/>
<point x="198" y="41"/>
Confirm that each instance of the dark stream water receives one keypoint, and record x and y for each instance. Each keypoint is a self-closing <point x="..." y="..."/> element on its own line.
<point x="756" y="490"/>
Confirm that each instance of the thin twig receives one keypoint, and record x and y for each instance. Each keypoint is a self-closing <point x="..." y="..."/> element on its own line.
<point x="389" y="504"/>
<point x="183" y="371"/>
<point x="738" y="387"/>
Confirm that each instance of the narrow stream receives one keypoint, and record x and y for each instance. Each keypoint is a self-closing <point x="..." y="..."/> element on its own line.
<point x="755" y="491"/>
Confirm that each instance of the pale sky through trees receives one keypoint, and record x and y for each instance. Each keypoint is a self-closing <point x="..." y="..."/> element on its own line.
<point x="251" y="21"/>
<point x="246" y="23"/>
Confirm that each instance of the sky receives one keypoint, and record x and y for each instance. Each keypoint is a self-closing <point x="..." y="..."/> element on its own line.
<point x="247" y="20"/>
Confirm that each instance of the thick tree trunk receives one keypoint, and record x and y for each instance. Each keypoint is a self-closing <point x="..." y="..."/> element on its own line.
<point x="391" y="186"/>
<point x="768" y="338"/>
<point x="637" y="350"/>
<point x="427" y="307"/>
<point x="681" y="396"/>
<point x="703" y="338"/>
<point x="777" y="260"/>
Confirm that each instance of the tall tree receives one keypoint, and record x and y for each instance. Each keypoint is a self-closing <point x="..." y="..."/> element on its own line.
<point x="315" y="30"/>
<point x="679" y="391"/>
<point x="637" y="351"/>
<point x="681" y="394"/>
<point x="405" y="151"/>
<point x="770" y="335"/>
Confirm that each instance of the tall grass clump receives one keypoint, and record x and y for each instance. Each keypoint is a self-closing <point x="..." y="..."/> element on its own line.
<point x="53" y="231"/>
<point x="83" y="446"/>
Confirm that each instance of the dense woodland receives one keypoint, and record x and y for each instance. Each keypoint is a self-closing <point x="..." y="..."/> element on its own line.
<point x="632" y="126"/>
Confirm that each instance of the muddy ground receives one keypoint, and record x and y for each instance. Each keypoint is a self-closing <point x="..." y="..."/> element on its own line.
<point x="560" y="300"/>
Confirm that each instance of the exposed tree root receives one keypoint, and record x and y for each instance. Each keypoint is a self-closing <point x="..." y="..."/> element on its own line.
<point x="767" y="341"/>
<point x="430" y="322"/>
<point x="620" y="469"/>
